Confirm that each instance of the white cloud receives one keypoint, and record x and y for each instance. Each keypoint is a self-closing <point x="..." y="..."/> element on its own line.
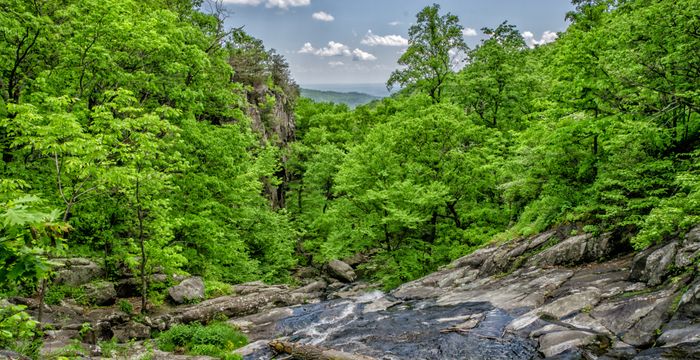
<point x="387" y="40"/>
<point x="358" y="54"/>
<point x="395" y="23"/>
<point x="333" y="49"/>
<point x="282" y="4"/>
<point x="531" y="40"/>
<point x="285" y="4"/>
<point x="323" y="16"/>
<point x="336" y="49"/>
<point x="243" y="2"/>
<point x="336" y="63"/>
<point x="307" y="49"/>
<point x="469" y="32"/>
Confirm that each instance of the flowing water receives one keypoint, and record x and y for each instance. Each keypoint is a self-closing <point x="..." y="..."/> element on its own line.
<point x="380" y="326"/>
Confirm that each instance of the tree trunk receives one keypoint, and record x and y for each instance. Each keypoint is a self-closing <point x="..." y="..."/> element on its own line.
<point x="142" y="267"/>
<point x="42" y="293"/>
<point x="311" y="352"/>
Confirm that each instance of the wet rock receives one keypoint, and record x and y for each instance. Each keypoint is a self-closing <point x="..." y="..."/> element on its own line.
<point x="468" y="322"/>
<point x="252" y="348"/>
<point x="652" y="267"/>
<point x="100" y="293"/>
<point x="341" y="271"/>
<point x="77" y="271"/>
<point x="262" y="325"/>
<point x="187" y="291"/>
<point x="555" y="343"/>
<point x="132" y="330"/>
<point x="379" y="305"/>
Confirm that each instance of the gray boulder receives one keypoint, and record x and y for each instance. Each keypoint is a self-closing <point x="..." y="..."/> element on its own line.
<point x="77" y="271"/>
<point x="100" y="293"/>
<point x="555" y="343"/>
<point x="690" y="248"/>
<point x="673" y="337"/>
<point x="475" y="259"/>
<point x="341" y="271"/>
<point x="188" y="290"/>
<point x="574" y="250"/>
<point x="689" y="305"/>
<point x="652" y="266"/>
<point x="132" y="330"/>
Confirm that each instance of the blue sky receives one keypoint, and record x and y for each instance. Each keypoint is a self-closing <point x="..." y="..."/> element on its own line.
<point x="359" y="41"/>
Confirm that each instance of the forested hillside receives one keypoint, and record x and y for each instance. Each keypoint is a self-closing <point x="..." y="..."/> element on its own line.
<point x="598" y="131"/>
<point x="145" y="135"/>
<point x="351" y="99"/>
<point x="127" y="135"/>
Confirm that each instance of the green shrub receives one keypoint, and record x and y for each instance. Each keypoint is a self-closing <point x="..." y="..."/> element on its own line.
<point x="56" y="293"/>
<point x="18" y="332"/>
<point x="216" y="339"/>
<point x="74" y="350"/>
<point x="126" y="307"/>
<point x="215" y="288"/>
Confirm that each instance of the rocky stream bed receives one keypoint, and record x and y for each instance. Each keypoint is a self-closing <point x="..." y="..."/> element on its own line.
<point x="548" y="296"/>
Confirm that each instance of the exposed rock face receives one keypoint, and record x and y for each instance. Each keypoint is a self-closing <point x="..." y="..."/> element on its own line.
<point x="574" y="250"/>
<point x="653" y="265"/>
<point x="276" y="125"/>
<point x="77" y="271"/>
<point x="341" y="271"/>
<point x="584" y="309"/>
<point x="689" y="249"/>
<point x="188" y="290"/>
<point x="100" y="293"/>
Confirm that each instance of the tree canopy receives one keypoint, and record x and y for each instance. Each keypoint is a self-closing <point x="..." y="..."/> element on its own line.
<point x="434" y="42"/>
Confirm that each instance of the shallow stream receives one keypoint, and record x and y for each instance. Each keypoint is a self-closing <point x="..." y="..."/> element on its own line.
<point x="380" y="326"/>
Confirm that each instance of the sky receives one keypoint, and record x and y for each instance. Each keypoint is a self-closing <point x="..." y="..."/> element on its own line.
<point x="360" y="41"/>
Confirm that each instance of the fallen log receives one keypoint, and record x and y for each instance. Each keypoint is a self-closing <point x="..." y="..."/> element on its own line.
<point x="312" y="352"/>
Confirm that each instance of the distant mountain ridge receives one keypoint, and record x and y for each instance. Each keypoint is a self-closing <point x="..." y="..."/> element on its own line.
<point x="352" y="98"/>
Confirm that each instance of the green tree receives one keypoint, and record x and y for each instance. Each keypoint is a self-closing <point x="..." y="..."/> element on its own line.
<point x="496" y="85"/>
<point x="433" y="44"/>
